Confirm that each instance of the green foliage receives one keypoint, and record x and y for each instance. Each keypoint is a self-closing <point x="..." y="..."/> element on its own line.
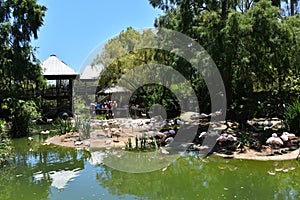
<point x="22" y="115"/>
<point x="255" y="49"/>
<point x="6" y="150"/>
<point x="63" y="126"/>
<point x="292" y="114"/>
<point x="101" y="116"/>
<point x="20" y="72"/>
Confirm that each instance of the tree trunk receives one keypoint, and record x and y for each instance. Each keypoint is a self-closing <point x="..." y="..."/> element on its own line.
<point x="224" y="9"/>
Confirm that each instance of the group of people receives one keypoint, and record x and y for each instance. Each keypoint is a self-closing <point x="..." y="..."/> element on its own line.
<point x="101" y="108"/>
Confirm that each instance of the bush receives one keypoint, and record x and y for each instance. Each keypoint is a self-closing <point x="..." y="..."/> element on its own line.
<point x="22" y="114"/>
<point x="292" y="115"/>
<point x="6" y="150"/>
<point x="63" y="126"/>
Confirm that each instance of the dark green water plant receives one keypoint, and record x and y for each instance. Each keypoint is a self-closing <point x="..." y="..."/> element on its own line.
<point x="292" y="116"/>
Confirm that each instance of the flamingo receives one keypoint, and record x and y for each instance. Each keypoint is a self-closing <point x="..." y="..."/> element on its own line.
<point x="78" y="143"/>
<point x="106" y="131"/>
<point x="226" y="137"/>
<point x="222" y="137"/>
<point x="179" y="122"/>
<point x="117" y="133"/>
<point x="287" y="137"/>
<point x="169" y="140"/>
<point x="141" y="123"/>
<point x="274" y="140"/>
<point x="87" y="143"/>
<point x="107" y="142"/>
<point x="163" y="151"/>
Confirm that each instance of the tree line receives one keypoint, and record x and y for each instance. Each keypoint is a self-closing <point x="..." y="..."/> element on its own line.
<point x="254" y="44"/>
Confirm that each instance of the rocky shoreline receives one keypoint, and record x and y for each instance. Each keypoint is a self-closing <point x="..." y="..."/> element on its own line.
<point x="104" y="136"/>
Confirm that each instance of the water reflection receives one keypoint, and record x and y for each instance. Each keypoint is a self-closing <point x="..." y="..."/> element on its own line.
<point x="49" y="172"/>
<point x="59" y="178"/>
<point x="36" y="168"/>
<point x="211" y="178"/>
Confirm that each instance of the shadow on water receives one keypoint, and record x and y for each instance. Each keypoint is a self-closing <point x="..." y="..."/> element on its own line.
<point x="51" y="172"/>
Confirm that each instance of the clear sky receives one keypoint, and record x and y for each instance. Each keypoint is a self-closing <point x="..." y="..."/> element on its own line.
<point x="72" y="29"/>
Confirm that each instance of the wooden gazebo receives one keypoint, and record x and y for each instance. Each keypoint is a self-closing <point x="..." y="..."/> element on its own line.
<point x="59" y="92"/>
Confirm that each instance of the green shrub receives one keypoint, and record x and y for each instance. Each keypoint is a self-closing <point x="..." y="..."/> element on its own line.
<point x="292" y="115"/>
<point x="63" y="126"/>
<point x="22" y="114"/>
<point x="6" y="150"/>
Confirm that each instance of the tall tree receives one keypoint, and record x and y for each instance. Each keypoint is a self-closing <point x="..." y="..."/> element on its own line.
<point x="254" y="48"/>
<point x="20" y="72"/>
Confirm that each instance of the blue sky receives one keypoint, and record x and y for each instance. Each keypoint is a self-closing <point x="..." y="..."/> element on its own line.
<point x="72" y="29"/>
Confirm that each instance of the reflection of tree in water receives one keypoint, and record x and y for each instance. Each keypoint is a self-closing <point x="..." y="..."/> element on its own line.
<point x="213" y="178"/>
<point x="19" y="180"/>
<point x="181" y="179"/>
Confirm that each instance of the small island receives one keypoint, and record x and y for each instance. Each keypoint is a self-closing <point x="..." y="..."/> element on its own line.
<point x="231" y="142"/>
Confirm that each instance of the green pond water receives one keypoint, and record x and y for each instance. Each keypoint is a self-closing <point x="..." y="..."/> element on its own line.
<point x="51" y="172"/>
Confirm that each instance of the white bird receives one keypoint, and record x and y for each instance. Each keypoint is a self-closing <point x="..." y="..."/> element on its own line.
<point x="105" y="124"/>
<point x="203" y="115"/>
<point x="117" y="133"/>
<point x="179" y="122"/>
<point x="222" y="137"/>
<point x="87" y="143"/>
<point x="169" y="140"/>
<point x="217" y="113"/>
<point x="159" y="134"/>
<point x="29" y="140"/>
<point x="78" y="143"/>
<point x="202" y="134"/>
<point x="231" y="138"/>
<point x="226" y="137"/>
<point x="45" y="132"/>
<point x="163" y="151"/>
<point x="287" y="136"/>
<point x="113" y="129"/>
<point x="284" y="137"/>
<point x="141" y="123"/>
<point x="107" y="142"/>
<point x="274" y="140"/>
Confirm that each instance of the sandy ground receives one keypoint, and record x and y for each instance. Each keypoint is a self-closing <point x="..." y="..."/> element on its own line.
<point x="97" y="140"/>
<point x="101" y="142"/>
<point x="262" y="156"/>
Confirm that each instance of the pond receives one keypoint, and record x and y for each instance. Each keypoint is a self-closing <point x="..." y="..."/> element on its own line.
<point x="51" y="172"/>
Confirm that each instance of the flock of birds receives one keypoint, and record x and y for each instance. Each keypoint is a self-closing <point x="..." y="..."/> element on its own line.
<point x="151" y="128"/>
<point x="284" y="138"/>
